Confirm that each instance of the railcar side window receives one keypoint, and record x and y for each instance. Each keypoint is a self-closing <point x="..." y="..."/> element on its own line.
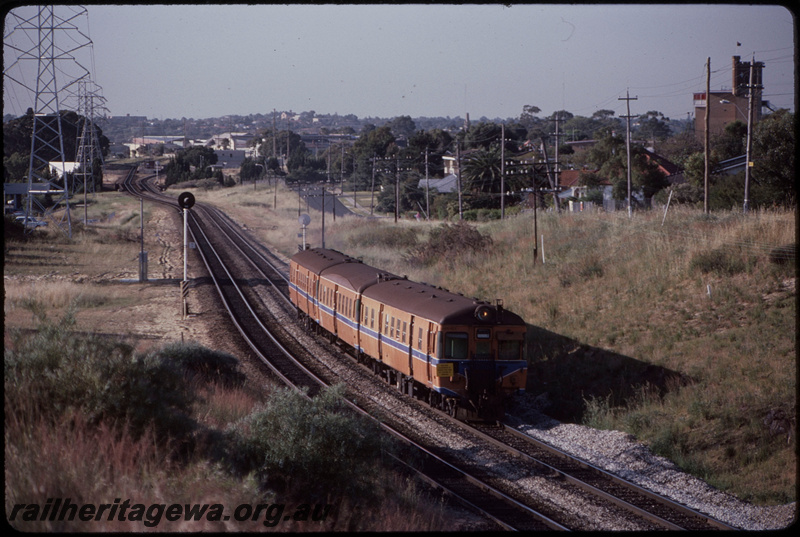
<point x="509" y="350"/>
<point x="372" y="318"/>
<point x="419" y="339"/>
<point x="456" y="345"/>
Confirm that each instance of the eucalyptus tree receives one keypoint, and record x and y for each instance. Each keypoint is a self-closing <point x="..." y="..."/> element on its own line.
<point x="652" y="125"/>
<point x="773" y="153"/>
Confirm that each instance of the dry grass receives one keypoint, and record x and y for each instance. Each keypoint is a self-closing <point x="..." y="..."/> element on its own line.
<point x="622" y="331"/>
<point x="96" y="463"/>
<point x="693" y="313"/>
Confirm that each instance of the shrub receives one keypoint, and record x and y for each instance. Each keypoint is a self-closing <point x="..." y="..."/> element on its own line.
<point x="719" y="261"/>
<point x="784" y="255"/>
<point x="58" y="372"/>
<point x="204" y="364"/>
<point x="381" y="235"/>
<point x="452" y="242"/>
<point x="314" y="443"/>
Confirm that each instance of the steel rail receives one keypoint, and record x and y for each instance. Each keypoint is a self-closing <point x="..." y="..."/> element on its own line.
<point x="477" y="485"/>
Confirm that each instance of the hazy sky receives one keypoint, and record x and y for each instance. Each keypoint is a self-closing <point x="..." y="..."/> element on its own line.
<point x="197" y="61"/>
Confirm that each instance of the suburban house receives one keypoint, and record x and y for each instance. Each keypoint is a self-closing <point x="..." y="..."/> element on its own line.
<point x="671" y="171"/>
<point x="449" y="183"/>
<point x="570" y="183"/>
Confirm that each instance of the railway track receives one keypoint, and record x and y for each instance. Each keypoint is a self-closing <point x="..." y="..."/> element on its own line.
<point x="237" y="293"/>
<point x="246" y="275"/>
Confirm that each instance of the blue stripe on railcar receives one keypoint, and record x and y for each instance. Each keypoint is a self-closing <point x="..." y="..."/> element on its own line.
<point x="503" y="368"/>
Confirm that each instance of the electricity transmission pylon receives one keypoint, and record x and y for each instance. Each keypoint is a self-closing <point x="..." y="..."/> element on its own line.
<point x="47" y="31"/>
<point x="88" y="145"/>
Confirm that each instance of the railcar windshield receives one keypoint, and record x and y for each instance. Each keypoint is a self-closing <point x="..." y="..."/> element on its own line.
<point x="509" y="349"/>
<point x="456" y="345"/>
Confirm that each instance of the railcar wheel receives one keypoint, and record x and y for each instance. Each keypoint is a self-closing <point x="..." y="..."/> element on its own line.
<point x="452" y="407"/>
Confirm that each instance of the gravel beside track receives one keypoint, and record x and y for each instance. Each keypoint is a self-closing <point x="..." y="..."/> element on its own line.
<point x="621" y="454"/>
<point x="614" y="451"/>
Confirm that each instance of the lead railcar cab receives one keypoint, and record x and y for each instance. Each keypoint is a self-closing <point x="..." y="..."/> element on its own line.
<point x="462" y="355"/>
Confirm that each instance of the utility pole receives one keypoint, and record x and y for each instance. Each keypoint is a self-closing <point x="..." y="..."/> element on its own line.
<point x="372" y="187"/>
<point x="458" y="169"/>
<point x="751" y="88"/>
<point x="396" y="187"/>
<point x="287" y="144"/>
<point x="274" y="136"/>
<point x="557" y="164"/>
<point x="550" y="180"/>
<point x="502" y="171"/>
<point x="628" y="117"/>
<point x="706" y="144"/>
<point x="427" y="187"/>
<point x="535" y="203"/>
<point x="342" y="182"/>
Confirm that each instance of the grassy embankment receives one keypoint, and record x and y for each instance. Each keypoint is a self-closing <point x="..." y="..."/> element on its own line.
<point x="683" y="334"/>
<point x="91" y="418"/>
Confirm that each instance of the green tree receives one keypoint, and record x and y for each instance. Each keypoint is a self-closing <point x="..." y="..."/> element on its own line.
<point x="610" y="156"/>
<point x="375" y="142"/>
<point x="481" y="171"/>
<point x="436" y="143"/>
<point x="402" y="126"/>
<point x="653" y="125"/>
<point x="481" y="135"/>
<point x="249" y="170"/>
<point x="732" y="142"/>
<point x="773" y="151"/>
<point x="536" y="127"/>
<point x="189" y="164"/>
<point x="15" y="168"/>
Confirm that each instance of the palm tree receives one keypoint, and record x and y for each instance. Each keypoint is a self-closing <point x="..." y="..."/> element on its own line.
<point x="481" y="173"/>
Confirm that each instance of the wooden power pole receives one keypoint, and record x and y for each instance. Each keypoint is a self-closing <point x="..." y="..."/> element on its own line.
<point x="628" y="117"/>
<point x="706" y="145"/>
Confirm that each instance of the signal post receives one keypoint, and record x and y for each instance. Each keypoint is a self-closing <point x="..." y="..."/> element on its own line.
<point x="186" y="201"/>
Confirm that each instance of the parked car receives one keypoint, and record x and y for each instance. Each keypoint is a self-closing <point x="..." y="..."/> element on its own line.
<point x="30" y="222"/>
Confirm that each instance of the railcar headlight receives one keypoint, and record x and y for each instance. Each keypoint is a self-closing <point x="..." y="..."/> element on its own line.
<point x="484" y="313"/>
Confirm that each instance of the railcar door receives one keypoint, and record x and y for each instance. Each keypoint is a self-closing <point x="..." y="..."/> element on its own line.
<point x="410" y="342"/>
<point x="336" y="310"/>
<point x="381" y="329"/>
<point x="313" y="297"/>
<point x="429" y="343"/>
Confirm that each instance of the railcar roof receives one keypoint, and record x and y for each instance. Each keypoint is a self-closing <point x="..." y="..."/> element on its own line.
<point x="318" y="259"/>
<point x="437" y="305"/>
<point x="419" y="299"/>
<point x="355" y="276"/>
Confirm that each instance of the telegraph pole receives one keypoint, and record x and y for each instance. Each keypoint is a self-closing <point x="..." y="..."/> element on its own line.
<point x="372" y="187"/>
<point x="396" y="187"/>
<point x="751" y="89"/>
<point x="427" y="187"/>
<point x="557" y="164"/>
<point x="458" y="169"/>
<point x="628" y="117"/>
<point x="502" y="171"/>
<point x="706" y="144"/>
<point x="274" y="136"/>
